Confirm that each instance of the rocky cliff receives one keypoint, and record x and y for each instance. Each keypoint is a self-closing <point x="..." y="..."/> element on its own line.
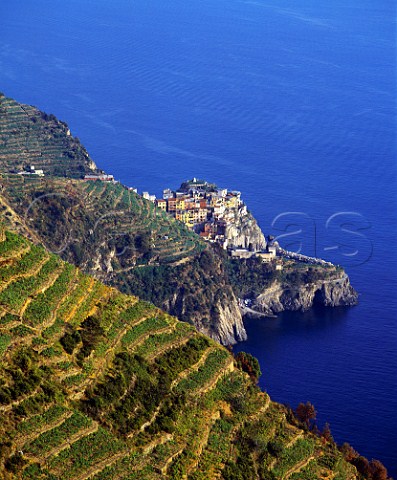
<point x="197" y="292"/>
<point x="226" y="322"/>
<point x="331" y="292"/>
<point x="243" y="231"/>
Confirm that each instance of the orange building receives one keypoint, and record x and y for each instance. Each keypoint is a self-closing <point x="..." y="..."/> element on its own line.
<point x="172" y="204"/>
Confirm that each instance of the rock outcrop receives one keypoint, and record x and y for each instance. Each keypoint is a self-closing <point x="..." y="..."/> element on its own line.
<point x="197" y="292"/>
<point x="243" y="231"/>
<point x="333" y="292"/>
<point x="229" y="327"/>
<point x="226" y="321"/>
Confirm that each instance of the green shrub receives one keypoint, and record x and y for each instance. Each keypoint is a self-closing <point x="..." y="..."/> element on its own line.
<point x="91" y="334"/>
<point x="10" y="244"/>
<point x="205" y="373"/>
<point x="41" y="420"/>
<point x="15" y="463"/>
<point x="243" y="469"/>
<point x="70" y="341"/>
<point x="4" y="342"/>
<point x="86" y="452"/>
<point x="275" y="448"/>
<point x="18" y="291"/>
<point x="51" y="438"/>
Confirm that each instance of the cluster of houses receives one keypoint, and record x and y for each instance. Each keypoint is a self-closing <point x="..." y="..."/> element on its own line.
<point x="200" y="206"/>
<point x="100" y="177"/>
<point x="208" y="211"/>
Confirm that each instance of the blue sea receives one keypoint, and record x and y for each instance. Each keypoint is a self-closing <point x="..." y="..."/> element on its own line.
<point x="291" y="102"/>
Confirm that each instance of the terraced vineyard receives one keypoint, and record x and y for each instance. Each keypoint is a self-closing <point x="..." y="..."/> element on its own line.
<point x="30" y="137"/>
<point x="138" y="233"/>
<point x="96" y="384"/>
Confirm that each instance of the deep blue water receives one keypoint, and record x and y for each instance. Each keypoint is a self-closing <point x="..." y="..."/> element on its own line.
<point x="290" y="101"/>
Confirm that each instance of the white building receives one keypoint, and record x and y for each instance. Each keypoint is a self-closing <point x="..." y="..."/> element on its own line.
<point x="272" y="249"/>
<point x="32" y="171"/>
<point x="147" y="196"/>
<point x="168" y="193"/>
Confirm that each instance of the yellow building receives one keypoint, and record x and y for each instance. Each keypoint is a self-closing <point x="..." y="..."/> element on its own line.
<point x="185" y="217"/>
<point x="161" y="204"/>
<point x="180" y="204"/>
<point x="231" y="201"/>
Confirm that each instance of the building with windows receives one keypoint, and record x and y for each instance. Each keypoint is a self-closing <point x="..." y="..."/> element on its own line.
<point x="161" y="204"/>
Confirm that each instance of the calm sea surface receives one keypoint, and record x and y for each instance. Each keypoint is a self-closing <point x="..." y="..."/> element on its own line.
<point x="290" y="101"/>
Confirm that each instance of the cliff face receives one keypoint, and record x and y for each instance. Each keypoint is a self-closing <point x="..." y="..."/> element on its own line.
<point x="226" y="322"/>
<point x="243" y="231"/>
<point x="197" y="292"/>
<point x="333" y="292"/>
<point x="229" y="325"/>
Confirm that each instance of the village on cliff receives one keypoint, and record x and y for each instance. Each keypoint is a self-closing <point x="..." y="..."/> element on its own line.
<point x="206" y="210"/>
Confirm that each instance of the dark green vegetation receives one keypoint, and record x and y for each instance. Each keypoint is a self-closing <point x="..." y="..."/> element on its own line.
<point x="202" y="184"/>
<point x="250" y="277"/>
<point x="31" y="137"/>
<point x="97" y="384"/>
<point x="249" y="364"/>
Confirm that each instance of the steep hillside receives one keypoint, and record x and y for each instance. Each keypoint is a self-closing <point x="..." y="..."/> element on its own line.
<point x="96" y="384"/>
<point x="31" y="137"/>
<point x="122" y="239"/>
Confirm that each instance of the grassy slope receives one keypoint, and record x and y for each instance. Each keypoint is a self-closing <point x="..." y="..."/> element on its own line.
<point x="97" y="384"/>
<point x="138" y="233"/>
